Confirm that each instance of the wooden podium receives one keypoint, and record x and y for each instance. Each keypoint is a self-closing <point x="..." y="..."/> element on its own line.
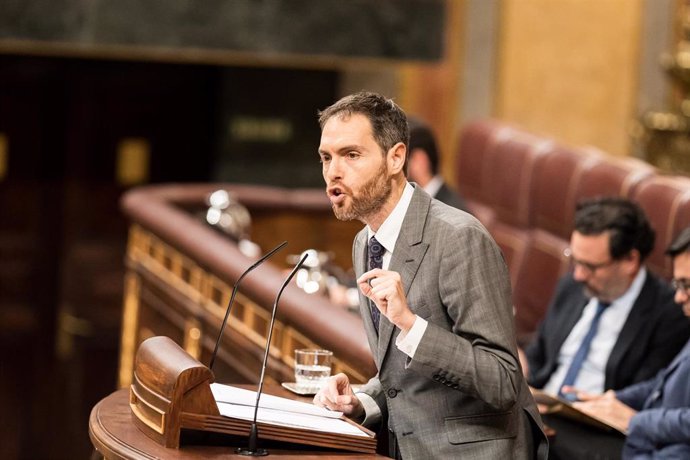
<point x="171" y="392"/>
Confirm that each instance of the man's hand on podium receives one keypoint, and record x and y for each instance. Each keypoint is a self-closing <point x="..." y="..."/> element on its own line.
<point x="337" y="395"/>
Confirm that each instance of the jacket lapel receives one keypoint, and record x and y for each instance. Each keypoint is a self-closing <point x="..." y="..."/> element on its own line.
<point x="407" y="257"/>
<point x="637" y="318"/>
<point x="573" y="313"/>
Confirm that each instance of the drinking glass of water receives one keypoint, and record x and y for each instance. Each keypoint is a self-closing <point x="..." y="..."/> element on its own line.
<point x="312" y="367"/>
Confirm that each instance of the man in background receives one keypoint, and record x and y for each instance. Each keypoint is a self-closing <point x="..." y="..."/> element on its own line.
<point x="611" y="322"/>
<point x="424" y="163"/>
<point x="435" y="303"/>
<point x="655" y="413"/>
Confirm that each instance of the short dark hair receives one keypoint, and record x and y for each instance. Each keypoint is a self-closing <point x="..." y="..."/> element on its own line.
<point x="625" y="221"/>
<point x="680" y="244"/>
<point x="388" y="120"/>
<point x="421" y="137"/>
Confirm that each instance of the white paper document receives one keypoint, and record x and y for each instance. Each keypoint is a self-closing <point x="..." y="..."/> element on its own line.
<point x="240" y="396"/>
<point x="239" y="403"/>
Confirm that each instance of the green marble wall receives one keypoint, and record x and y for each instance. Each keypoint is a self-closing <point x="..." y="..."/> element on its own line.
<point x="389" y="29"/>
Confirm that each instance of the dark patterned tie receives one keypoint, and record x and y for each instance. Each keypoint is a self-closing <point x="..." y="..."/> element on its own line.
<point x="376" y="251"/>
<point x="583" y="351"/>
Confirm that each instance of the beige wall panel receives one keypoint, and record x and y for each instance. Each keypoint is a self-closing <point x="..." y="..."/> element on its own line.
<point x="568" y="69"/>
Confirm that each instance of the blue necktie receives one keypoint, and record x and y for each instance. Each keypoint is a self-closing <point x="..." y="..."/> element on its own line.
<point x="583" y="351"/>
<point x="376" y="251"/>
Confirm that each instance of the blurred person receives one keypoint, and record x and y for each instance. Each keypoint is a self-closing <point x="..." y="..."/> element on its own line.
<point x="435" y="301"/>
<point x="424" y="163"/>
<point x="611" y="322"/>
<point x="656" y="413"/>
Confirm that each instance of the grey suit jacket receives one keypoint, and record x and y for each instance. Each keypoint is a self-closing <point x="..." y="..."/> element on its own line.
<point x="463" y="394"/>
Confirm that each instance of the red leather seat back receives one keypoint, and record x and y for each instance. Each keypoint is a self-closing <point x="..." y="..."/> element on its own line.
<point x="476" y="139"/>
<point x="555" y="184"/>
<point x="509" y="174"/>
<point x="543" y="263"/>
<point x="611" y="176"/>
<point x="666" y="201"/>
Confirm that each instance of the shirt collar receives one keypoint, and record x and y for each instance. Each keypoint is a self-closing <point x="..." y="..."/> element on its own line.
<point x="434" y="185"/>
<point x="629" y="297"/>
<point x="390" y="229"/>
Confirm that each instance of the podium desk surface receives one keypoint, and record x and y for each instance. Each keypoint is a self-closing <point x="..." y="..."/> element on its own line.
<point x="115" y="436"/>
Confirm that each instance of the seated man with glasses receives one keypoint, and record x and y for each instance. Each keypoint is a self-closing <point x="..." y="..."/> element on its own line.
<point x="611" y="322"/>
<point x="656" y="413"/>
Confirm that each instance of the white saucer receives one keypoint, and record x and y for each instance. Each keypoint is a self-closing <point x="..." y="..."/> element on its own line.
<point x="304" y="390"/>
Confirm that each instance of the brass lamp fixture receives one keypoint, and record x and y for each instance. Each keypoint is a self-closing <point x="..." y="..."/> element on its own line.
<point x="665" y="135"/>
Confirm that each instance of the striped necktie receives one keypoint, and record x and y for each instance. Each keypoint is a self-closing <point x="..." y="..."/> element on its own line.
<point x="375" y="251"/>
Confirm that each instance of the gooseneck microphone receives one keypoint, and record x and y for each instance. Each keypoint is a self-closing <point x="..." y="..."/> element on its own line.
<point x="252" y="449"/>
<point x="232" y="297"/>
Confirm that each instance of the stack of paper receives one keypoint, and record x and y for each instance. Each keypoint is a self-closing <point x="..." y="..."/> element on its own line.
<point x="281" y="419"/>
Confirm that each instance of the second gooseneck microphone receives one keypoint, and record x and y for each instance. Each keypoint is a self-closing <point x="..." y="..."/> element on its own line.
<point x="252" y="450"/>
<point x="232" y="297"/>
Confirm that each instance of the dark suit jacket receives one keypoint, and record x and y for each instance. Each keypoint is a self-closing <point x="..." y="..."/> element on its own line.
<point x="653" y="334"/>
<point x="663" y="420"/>
<point x="463" y="394"/>
<point x="449" y="196"/>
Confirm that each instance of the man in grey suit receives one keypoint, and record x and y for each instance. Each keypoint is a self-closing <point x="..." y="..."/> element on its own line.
<point x="435" y="302"/>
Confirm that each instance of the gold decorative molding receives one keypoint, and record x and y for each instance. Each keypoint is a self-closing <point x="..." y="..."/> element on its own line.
<point x="664" y="135"/>
<point x="212" y="294"/>
<point x="133" y="160"/>
<point x="130" y="319"/>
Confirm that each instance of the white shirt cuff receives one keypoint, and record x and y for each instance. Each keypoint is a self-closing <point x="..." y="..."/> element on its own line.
<point x="408" y="342"/>
<point x="372" y="413"/>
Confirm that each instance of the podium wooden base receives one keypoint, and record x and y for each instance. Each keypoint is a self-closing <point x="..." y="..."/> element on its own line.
<point x="171" y="393"/>
<point x="114" y="436"/>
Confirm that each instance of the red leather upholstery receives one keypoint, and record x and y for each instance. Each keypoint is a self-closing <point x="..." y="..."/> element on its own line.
<point x="509" y="174"/>
<point x="666" y="201"/>
<point x="472" y="146"/>
<point x="513" y="242"/>
<point x="555" y="188"/>
<point x="543" y="263"/>
<point x="510" y="162"/>
<point x="682" y="214"/>
<point x="524" y="188"/>
<point x="477" y="138"/>
<point x="611" y="176"/>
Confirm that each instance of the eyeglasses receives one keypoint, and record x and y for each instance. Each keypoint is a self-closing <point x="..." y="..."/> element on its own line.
<point x="681" y="284"/>
<point x="587" y="266"/>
